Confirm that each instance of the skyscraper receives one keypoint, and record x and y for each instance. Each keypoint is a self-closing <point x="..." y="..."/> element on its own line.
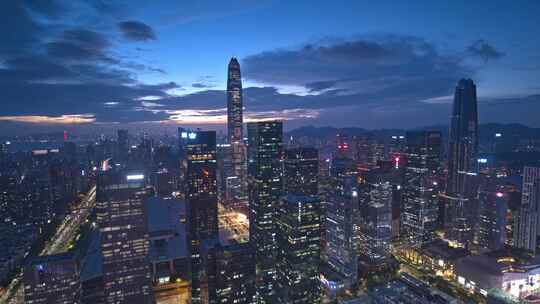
<point x="202" y="184"/>
<point x="169" y="255"/>
<point x="298" y="241"/>
<point x="491" y="231"/>
<point x="420" y="205"/>
<point x="463" y="139"/>
<point x="182" y="158"/>
<point x="234" y="103"/>
<point x="301" y="171"/>
<point x="225" y="172"/>
<point x="462" y="164"/>
<point x="124" y="245"/>
<point x="235" y="273"/>
<point x="201" y="196"/>
<point x="265" y="189"/>
<point x="526" y="229"/>
<point x="235" y="134"/>
<point x="342" y="232"/>
<point x="376" y="225"/>
<point x="52" y="279"/>
<point x="122" y="145"/>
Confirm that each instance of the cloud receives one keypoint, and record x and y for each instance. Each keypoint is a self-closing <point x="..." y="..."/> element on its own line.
<point x="51" y="120"/>
<point x="202" y="85"/>
<point x="87" y="38"/>
<point x="66" y="50"/>
<point x="136" y="31"/>
<point x="189" y="11"/>
<point x="160" y="86"/>
<point x="50" y="8"/>
<point x="219" y="116"/>
<point x="73" y="73"/>
<point x="51" y="74"/>
<point x="23" y="30"/>
<point x="383" y="67"/>
<point x="484" y="50"/>
<point x="318" y="86"/>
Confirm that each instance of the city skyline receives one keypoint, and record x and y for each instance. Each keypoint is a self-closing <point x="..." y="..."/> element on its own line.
<point x="157" y="65"/>
<point x="269" y="152"/>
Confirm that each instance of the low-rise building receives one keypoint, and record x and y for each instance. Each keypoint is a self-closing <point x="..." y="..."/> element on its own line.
<point x="516" y="275"/>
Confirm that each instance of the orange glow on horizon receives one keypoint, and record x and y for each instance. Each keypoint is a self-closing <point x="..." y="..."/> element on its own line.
<point x="219" y="116"/>
<point x="53" y="120"/>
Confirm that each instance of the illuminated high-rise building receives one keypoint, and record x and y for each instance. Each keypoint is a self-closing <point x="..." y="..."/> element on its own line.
<point x="301" y="171"/>
<point x="124" y="245"/>
<point x="463" y="139"/>
<point x="265" y="150"/>
<point x="225" y="173"/>
<point x="527" y="223"/>
<point x="235" y="273"/>
<point x="201" y="190"/>
<point x="52" y="279"/>
<point x="235" y="135"/>
<point x="420" y="205"/>
<point x="202" y="183"/>
<point x="342" y="234"/>
<point x="298" y="241"/>
<point x="343" y="147"/>
<point x="491" y="229"/>
<point x="234" y="102"/>
<point x="376" y="225"/>
<point x="461" y="186"/>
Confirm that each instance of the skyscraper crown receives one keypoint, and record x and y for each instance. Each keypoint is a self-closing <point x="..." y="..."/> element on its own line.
<point x="465" y="82"/>
<point x="234" y="63"/>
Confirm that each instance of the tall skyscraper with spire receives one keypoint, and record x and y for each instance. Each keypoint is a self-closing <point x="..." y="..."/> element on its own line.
<point x="236" y="180"/>
<point x="463" y="139"/>
<point x="462" y="164"/>
<point x="234" y="102"/>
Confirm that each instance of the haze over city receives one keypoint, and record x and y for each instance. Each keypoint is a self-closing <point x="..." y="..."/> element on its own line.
<point x="269" y="152"/>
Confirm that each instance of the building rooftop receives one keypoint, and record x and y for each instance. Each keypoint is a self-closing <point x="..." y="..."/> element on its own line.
<point x="295" y="198"/>
<point x="44" y="259"/>
<point x="92" y="263"/>
<point x="440" y="249"/>
<point x="408" y="290"/>
<point x="167" y="228"/>
<point x="497" y="262"/>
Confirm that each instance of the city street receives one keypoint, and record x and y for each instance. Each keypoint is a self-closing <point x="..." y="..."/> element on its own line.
<point x="235" y="223"/>
<point x="60" y="242"/>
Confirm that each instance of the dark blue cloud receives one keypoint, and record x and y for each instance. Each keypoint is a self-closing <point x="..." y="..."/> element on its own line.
<point x="73" y="68"/>
<point x="378" y="67"/>
<point x="202" y="85"/>
<point x="136" y="31"/>
<point x="483" y="50"/>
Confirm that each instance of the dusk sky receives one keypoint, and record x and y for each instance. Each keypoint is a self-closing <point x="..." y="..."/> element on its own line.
<point x="369" y="64"/>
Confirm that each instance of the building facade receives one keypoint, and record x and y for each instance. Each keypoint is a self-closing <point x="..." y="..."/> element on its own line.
<point x="462" y="165"/>
<point x="491" y="225"/>
<point x="124" y="245"/>
<point x="342" y="234"/>
<point x="235" y="134"/>
<point x="376" y="225"/>
<point x="301" y="171"/>
<point x="265" y="148"/>
<point x="420" y="203"/>
<point x="52" y="279"/>
<point x="201" y="195"/>
<point x="298" y="242"/>
<point x="526" y="229"/>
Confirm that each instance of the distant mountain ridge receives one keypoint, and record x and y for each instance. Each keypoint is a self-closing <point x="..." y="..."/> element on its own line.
<point x="484" y="130"/>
